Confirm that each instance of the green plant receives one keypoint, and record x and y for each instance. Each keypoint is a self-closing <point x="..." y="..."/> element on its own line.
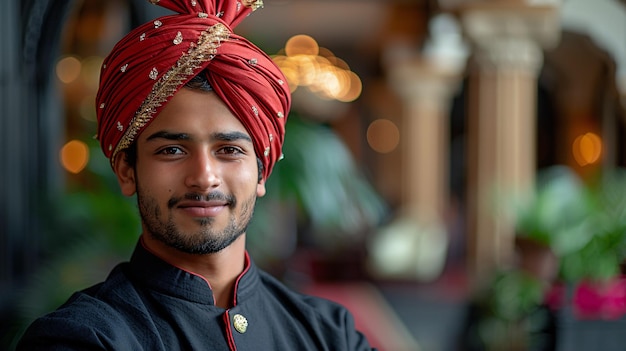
<point x="508" y="314"/>
<point x="579" y="227"/>
<point x="581" y="222"/>
<point x="317" y="183"/>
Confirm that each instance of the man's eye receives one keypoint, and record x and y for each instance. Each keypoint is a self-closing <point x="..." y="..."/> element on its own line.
<point x="172" y="150"/>
<point x="231" y="150"/>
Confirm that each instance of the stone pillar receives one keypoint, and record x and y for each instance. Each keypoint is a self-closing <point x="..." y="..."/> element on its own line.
<point x="507" y="38"/>
<point x="414" y="246"/>
<point x="425" y="89"/>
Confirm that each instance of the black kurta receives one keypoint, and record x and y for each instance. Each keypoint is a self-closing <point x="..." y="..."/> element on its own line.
<point x="147" y="304"/>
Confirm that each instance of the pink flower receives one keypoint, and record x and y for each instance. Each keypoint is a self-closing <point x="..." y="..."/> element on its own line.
<point x="600" y="300"/>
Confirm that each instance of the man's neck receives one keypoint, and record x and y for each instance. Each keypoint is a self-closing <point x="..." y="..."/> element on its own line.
<point x="220" y="269"/>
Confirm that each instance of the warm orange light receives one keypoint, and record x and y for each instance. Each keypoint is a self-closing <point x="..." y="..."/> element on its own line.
<point x="306" y="64"/>
<point x="301" y="45"/>
<point x="328" y="83"/>
<point x="308" y="67"/>
<point x="383" y="136"/>
<point x="587" y="149"/>
<point x="74" y="156"/>
<point x="68" y="69"/>
<point x="356" y="87"/>
<point x="339" y="63"/>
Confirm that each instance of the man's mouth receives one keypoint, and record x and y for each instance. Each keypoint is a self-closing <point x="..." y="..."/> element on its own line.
<point x="202" y="208"/>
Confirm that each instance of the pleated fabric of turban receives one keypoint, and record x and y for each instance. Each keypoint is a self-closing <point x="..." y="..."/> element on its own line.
<point x="150" y="64"/>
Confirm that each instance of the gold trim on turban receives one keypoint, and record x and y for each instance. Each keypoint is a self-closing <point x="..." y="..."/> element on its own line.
<point x="166" y="86"/>
<point x="254" y="4"/>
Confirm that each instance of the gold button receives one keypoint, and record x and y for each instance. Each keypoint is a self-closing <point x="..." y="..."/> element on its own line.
<point x="240" y="323"/>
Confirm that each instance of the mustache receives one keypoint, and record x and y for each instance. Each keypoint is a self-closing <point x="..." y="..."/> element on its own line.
<point x="212" y="196"/>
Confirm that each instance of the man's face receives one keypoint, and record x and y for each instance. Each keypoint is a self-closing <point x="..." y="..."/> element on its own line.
<point x="196" y="175"/>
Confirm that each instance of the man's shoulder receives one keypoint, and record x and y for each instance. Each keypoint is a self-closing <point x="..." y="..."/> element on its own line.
<point x="89" y="316"/>
<point x="96" y="301"/>
<point x="81" y="323"/>
<point x="82" y="310"/>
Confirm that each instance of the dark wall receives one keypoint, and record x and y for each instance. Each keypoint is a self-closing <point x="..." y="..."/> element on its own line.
<point x="30" y="126"/>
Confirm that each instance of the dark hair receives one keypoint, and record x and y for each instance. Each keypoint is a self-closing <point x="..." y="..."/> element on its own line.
<point x="130" y="154"/>
<point x="259" y="165"/>
<point x="199" y="82"/>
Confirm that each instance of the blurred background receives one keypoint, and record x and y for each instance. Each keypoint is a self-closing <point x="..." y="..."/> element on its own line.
<point x="453" y="172"/>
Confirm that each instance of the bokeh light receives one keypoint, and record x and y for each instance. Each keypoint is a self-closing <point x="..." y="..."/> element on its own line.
<point x="68" y="69"/>
<point x="74" y="156"/>
<point x="301" y="44"/>
<point x="383" y="136"/>
<point x="587" y="149"/>
<point x="306" y="64"/>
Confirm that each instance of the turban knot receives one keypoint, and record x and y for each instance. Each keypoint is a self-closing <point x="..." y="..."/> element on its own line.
<point x="152" y="62"/>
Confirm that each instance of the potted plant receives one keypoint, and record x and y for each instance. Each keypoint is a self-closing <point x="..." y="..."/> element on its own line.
<point x="570" y="243"/>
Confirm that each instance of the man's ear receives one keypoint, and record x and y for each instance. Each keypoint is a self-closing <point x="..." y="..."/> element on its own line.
<point x="125" y="174"/>
<point x="260" y="188"/>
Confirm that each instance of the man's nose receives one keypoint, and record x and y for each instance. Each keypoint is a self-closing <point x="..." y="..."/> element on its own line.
<point x="203" y="172"/>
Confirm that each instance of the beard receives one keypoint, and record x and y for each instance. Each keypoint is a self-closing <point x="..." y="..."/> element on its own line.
<point x="206" y="239"/>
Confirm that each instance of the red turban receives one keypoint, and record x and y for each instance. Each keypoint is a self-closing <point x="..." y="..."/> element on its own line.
<point x="152" y="62"/>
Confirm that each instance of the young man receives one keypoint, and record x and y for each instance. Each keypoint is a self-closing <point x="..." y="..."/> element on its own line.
<point x="192" y="117"/>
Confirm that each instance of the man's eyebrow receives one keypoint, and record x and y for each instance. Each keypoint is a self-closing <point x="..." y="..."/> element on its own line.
<point x="169" y="136"/>
<point x="222" y="136"/>
<point x="231" y="136"/>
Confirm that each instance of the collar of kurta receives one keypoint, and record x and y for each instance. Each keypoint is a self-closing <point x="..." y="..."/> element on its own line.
<point x="159" y="275"/>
